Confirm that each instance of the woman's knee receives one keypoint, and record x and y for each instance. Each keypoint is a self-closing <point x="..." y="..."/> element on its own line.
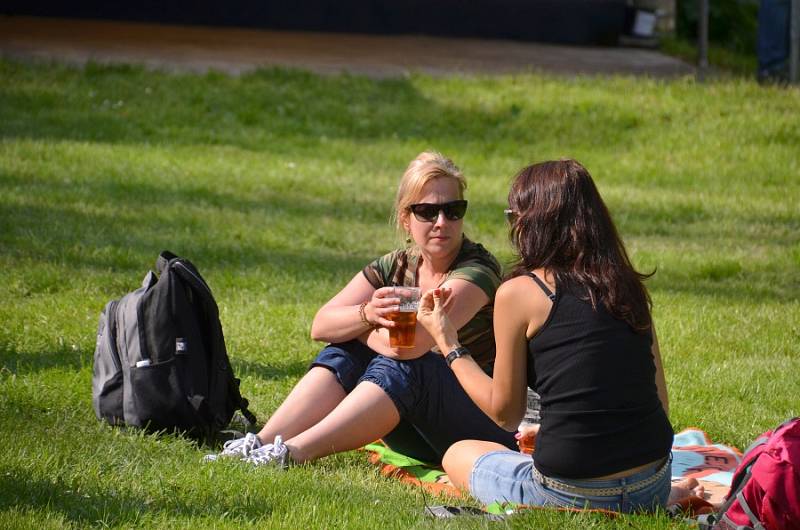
<point x="453" y="452"/>
<point x="457" y="463"/>
<point x="460" y="458"/>
<point x="347" y="361"/>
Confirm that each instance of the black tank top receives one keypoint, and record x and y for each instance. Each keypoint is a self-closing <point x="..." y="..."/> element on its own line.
<point x="596" y="377"/>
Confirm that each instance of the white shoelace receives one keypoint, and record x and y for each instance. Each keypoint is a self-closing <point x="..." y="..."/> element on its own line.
<point x="276" y="454"/>
<point x="240" y="447"/>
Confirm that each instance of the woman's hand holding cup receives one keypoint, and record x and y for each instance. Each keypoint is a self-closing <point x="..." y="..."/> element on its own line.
<point x="384" y="302"/>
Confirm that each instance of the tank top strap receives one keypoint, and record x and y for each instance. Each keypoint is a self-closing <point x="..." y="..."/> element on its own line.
<point x="543" y="286"/>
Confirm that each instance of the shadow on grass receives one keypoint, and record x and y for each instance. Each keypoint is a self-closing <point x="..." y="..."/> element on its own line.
<point x="93" y="239"/>
<point x="29" y="362"/>
<point x="107" y="223"/>
<point x="111" y="228"/>
<point x="276" y="109"/>
<point x="14" y="362"/>
<point x="280" y="370"/>
<point x="728" y="278"/>
<point x="91" y="506"/>
<point x="691" y="221"/>
<point x="151" y="218"/>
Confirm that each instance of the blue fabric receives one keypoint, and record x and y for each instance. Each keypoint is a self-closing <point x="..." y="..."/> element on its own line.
<point x="435" y="410"/>
<point x="773" y="35"/>
<point x="508" y="476"/>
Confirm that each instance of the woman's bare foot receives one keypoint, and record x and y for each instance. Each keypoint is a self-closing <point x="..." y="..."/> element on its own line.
<point x="685" y="488"/>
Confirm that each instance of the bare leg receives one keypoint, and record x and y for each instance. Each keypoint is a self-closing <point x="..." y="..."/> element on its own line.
<point x="365" y="415"/>
<point x="311" y="399"/>
<point x="459" y="460"/>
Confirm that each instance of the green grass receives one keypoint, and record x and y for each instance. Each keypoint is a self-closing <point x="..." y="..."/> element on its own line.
<point x="722" y="60"/>
<point x="278" y="185"/>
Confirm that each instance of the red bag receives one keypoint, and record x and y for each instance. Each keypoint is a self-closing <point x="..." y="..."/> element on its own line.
<point x="765" y="491"/>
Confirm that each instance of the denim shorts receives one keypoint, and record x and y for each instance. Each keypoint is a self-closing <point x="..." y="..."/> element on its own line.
<point x="435" y="411"/>
<point x="510" y="476"/>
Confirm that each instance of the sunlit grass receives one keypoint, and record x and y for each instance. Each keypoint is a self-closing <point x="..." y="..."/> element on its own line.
<point x="278" y="185"/>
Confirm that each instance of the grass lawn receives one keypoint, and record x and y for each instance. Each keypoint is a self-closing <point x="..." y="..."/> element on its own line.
<point x="723" y="62"/>
<point x="278" y="186"/>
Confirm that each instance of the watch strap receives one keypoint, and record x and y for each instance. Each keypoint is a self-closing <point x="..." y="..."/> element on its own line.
<point x="455" y="354"/>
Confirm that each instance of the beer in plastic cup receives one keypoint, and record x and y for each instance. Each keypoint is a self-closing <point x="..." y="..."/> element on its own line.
<point x="403" y="333"/>
<point x="526" y="435"/>
<point x="526" y="440"/>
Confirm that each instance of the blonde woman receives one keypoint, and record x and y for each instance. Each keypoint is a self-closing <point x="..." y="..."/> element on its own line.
<point x="359" y="388"/>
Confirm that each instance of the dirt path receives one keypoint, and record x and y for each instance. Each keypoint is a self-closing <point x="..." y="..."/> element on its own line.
<point x="232" y="50"/>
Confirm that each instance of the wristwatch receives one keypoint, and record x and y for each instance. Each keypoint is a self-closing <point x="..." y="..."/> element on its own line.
<point x="461" y="351"/>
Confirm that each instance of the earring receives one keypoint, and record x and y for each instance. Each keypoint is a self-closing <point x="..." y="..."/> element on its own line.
<point x="408" y="238"/>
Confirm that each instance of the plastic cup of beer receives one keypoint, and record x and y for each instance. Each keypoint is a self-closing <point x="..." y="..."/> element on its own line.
<point x="526" y="440"/>
<point x="529" y="427"/>
<point x="403" y="333"/>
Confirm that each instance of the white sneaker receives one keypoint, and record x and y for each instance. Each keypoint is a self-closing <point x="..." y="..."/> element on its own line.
<point x="238" y="448"/>
<point x="275" y="454"/>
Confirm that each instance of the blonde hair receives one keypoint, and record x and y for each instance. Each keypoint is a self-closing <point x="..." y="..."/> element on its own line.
<point x="427" y="166"/>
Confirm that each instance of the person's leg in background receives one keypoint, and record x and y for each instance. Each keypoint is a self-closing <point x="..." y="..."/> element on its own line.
<point x="772" y="45"/>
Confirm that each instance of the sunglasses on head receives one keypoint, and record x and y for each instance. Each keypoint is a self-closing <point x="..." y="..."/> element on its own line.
<point x="427" y="212"/>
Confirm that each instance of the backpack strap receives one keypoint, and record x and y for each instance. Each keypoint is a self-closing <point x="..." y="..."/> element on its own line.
<point x="705" y="521"/>
<point x="761" y="440"/>
<point x="750" y="515"/>
<point x="235" y="395"/>
<point x="736" y="488"/>
<point x="163" y="260"/>
<point x="726" y="523"/>
<point x="738" y="496"/>
<point x="543" y="286"/>
<point x="243" y="406"/>
<point x="188" y="272"/>
<point x="786" y="423"/>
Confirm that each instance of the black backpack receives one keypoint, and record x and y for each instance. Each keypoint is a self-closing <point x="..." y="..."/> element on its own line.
<point x="160" y="361"/>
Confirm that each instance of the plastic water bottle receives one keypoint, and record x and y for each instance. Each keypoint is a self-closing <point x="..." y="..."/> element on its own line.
<point x="527" y="428"/>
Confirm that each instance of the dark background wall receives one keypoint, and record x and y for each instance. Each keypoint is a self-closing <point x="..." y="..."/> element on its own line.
<point x="556" y="21"/>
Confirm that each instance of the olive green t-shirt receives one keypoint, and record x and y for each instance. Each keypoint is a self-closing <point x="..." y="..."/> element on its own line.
<point x="474" y="264"/>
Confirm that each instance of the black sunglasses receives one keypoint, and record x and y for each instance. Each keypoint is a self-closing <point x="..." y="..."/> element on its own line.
<point x="427" y="212"/>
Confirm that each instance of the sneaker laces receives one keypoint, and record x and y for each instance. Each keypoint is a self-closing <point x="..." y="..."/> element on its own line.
<point x="276" y="454"/>
<point x="238" y="448"/>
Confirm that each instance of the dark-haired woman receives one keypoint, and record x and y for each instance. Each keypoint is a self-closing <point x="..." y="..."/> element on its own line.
<point x="573" y="322"/>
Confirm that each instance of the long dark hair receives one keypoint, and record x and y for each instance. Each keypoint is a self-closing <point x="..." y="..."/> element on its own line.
<point x="561" y="224"/>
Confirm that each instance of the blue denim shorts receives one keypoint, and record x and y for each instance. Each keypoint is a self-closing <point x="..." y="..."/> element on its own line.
<point x="435" y="411"/>
<point x="510" y="476"/>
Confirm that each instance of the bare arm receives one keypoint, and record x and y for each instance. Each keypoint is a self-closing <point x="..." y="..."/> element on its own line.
<point x="513" y="311"/>
<point x="465" y="300"/>
<point x="339" y="319"/>
<point x="661" y="382"/>
<point x="518" y="309"/>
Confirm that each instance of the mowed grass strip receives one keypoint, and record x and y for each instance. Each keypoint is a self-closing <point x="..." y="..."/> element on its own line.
<point x="279" y="184"/>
